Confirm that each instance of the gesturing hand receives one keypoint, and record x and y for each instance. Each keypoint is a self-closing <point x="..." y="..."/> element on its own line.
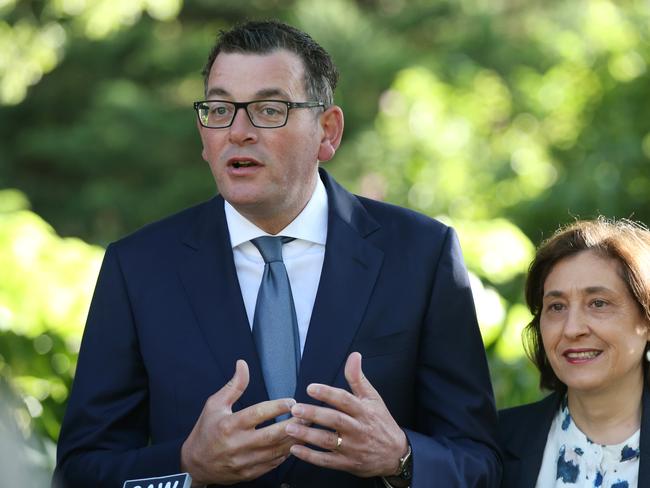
<point x="371" y="442"/>
<point x="225" y="448"/>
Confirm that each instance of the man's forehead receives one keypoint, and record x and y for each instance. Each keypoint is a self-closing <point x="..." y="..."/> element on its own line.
<point x="277" y="73"/>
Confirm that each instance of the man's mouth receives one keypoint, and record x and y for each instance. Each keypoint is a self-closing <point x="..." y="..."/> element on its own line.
<point x="243" y="164"/>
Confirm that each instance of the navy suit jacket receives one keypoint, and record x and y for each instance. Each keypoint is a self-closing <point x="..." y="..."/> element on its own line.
<point x="167" y="324"/>
<point x="522" y="437"/>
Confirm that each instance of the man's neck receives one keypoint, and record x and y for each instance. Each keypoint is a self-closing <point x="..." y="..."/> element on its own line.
<point x="277" y="220"/>
<point x="275" y="223"/>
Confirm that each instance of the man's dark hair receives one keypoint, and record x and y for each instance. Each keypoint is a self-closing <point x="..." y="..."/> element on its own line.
<point x="264" y="37"/>
<point x="624" y="241"/>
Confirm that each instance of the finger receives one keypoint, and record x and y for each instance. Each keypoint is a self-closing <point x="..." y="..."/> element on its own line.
<point x="254" y="465"/>
<point x="297" y="420"/>
<point x="325" y="417"/>
<point x="233" y="390"/>
<point x="273" y="436"/>
<point x="359" y="384"/>
<point x="268" y="446"/>
<point x="316" y="437"/>
<point x="332" y="460"/>
<point x="262" y="445"/>
<point x="259" y="413"/>
<point x="261" y="468"/>
<point x="338" y="398"/>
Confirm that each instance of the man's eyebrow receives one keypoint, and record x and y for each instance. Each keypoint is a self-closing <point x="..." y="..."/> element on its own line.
<point x="272" y="92"/>
<point x="216" y="91"/>
<point x="265" y="93"/>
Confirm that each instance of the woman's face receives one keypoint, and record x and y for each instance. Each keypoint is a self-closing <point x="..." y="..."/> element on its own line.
<point x="592" y="328"/>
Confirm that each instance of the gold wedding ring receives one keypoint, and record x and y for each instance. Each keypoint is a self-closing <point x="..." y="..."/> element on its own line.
<point x="339" y="441"/>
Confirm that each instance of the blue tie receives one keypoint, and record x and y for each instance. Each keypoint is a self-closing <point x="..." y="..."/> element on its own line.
<point x="275" y="327"/>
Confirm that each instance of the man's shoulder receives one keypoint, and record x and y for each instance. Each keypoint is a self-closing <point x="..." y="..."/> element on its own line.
<point x="411" y="229"/>
<point x="383" y="211"/>
<point x="356" y="208"/>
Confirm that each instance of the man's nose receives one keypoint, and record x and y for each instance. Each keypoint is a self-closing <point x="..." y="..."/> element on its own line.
<point x="242" y="130"/>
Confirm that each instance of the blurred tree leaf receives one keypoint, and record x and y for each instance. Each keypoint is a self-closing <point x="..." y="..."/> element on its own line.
<point x="45" y="290"/>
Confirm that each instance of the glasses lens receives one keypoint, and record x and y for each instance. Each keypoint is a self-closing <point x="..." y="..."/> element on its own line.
<point x="216" y="114"/>
<point x="268" y="113"/>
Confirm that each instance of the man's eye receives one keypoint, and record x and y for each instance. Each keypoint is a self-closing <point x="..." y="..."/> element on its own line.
<point x="219" y="110"/>
<point x="599" y="303"/>
<point x="271" y="111"/>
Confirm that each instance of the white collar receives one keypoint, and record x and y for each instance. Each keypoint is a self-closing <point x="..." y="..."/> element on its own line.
<point x="310" y="224"/>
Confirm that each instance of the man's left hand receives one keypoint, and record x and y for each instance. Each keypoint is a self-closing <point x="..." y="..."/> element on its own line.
<point x="366" y="440"/>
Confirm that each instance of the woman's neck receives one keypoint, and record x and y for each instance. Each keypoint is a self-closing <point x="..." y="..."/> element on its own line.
<point x="610" y="416"/>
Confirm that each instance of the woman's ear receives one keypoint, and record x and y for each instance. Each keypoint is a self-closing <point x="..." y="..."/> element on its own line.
<point x="332" y="124"/>
<point x="646" y="330"/>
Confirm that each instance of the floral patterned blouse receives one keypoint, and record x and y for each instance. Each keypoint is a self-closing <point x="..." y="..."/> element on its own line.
<point x="571" y="459"/>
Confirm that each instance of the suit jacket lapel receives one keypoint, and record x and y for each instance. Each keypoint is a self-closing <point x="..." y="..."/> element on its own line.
<point x="350" y="269"/>
<point x="529" y="443"/>
<point x="210" y="280"/>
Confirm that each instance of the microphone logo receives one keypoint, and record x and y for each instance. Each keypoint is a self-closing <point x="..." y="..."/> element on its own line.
<point x="181" y="480"/>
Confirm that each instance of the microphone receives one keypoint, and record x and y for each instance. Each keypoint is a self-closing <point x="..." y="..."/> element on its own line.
<point x="180" y="480"/>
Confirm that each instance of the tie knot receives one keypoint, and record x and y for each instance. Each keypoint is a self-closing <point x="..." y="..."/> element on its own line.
<point x="270" y="247"/>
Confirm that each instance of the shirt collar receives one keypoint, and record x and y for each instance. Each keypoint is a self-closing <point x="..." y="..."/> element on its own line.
<point x="310" y="224"/>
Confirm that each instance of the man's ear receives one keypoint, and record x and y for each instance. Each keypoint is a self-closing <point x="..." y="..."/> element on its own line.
<point x="332" y="124"/>
<point x="203" y="153"/>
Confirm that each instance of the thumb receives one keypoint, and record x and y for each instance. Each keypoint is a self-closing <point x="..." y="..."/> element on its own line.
<point x="359" y="384"/>
<point x="233" y="390"/>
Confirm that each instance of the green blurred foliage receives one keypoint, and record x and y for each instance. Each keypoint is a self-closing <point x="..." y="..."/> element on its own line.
<point x="25" y="458"/>
<point x="503" y="118"/>
<point x="45" y="290"/>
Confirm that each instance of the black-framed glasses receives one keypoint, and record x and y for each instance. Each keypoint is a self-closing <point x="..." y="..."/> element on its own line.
<point x="265" y="114"/>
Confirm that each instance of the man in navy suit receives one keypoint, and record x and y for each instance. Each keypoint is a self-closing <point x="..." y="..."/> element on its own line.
<point x="392" y="387"/>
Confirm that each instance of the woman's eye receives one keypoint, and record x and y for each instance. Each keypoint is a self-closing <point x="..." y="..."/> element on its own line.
<point x="556" y="307"/>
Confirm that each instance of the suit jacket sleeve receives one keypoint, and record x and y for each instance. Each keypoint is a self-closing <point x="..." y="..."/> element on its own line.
<point x="104" y="438"/>
<point x="454" y="442"/>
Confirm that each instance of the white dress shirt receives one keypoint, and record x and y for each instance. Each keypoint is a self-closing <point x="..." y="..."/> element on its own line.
<point x="302" y="257"/>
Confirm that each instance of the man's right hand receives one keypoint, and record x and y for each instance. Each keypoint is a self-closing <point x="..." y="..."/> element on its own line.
<point x="225" y="447"/>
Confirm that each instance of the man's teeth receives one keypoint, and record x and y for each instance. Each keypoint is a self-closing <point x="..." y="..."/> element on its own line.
<point x="243" y="164"/>
<point x="583" y="355"/>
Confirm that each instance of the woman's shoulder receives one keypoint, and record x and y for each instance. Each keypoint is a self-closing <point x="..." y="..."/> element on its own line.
<point x="521" y="420"/>
<point x="522" y="437"/>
